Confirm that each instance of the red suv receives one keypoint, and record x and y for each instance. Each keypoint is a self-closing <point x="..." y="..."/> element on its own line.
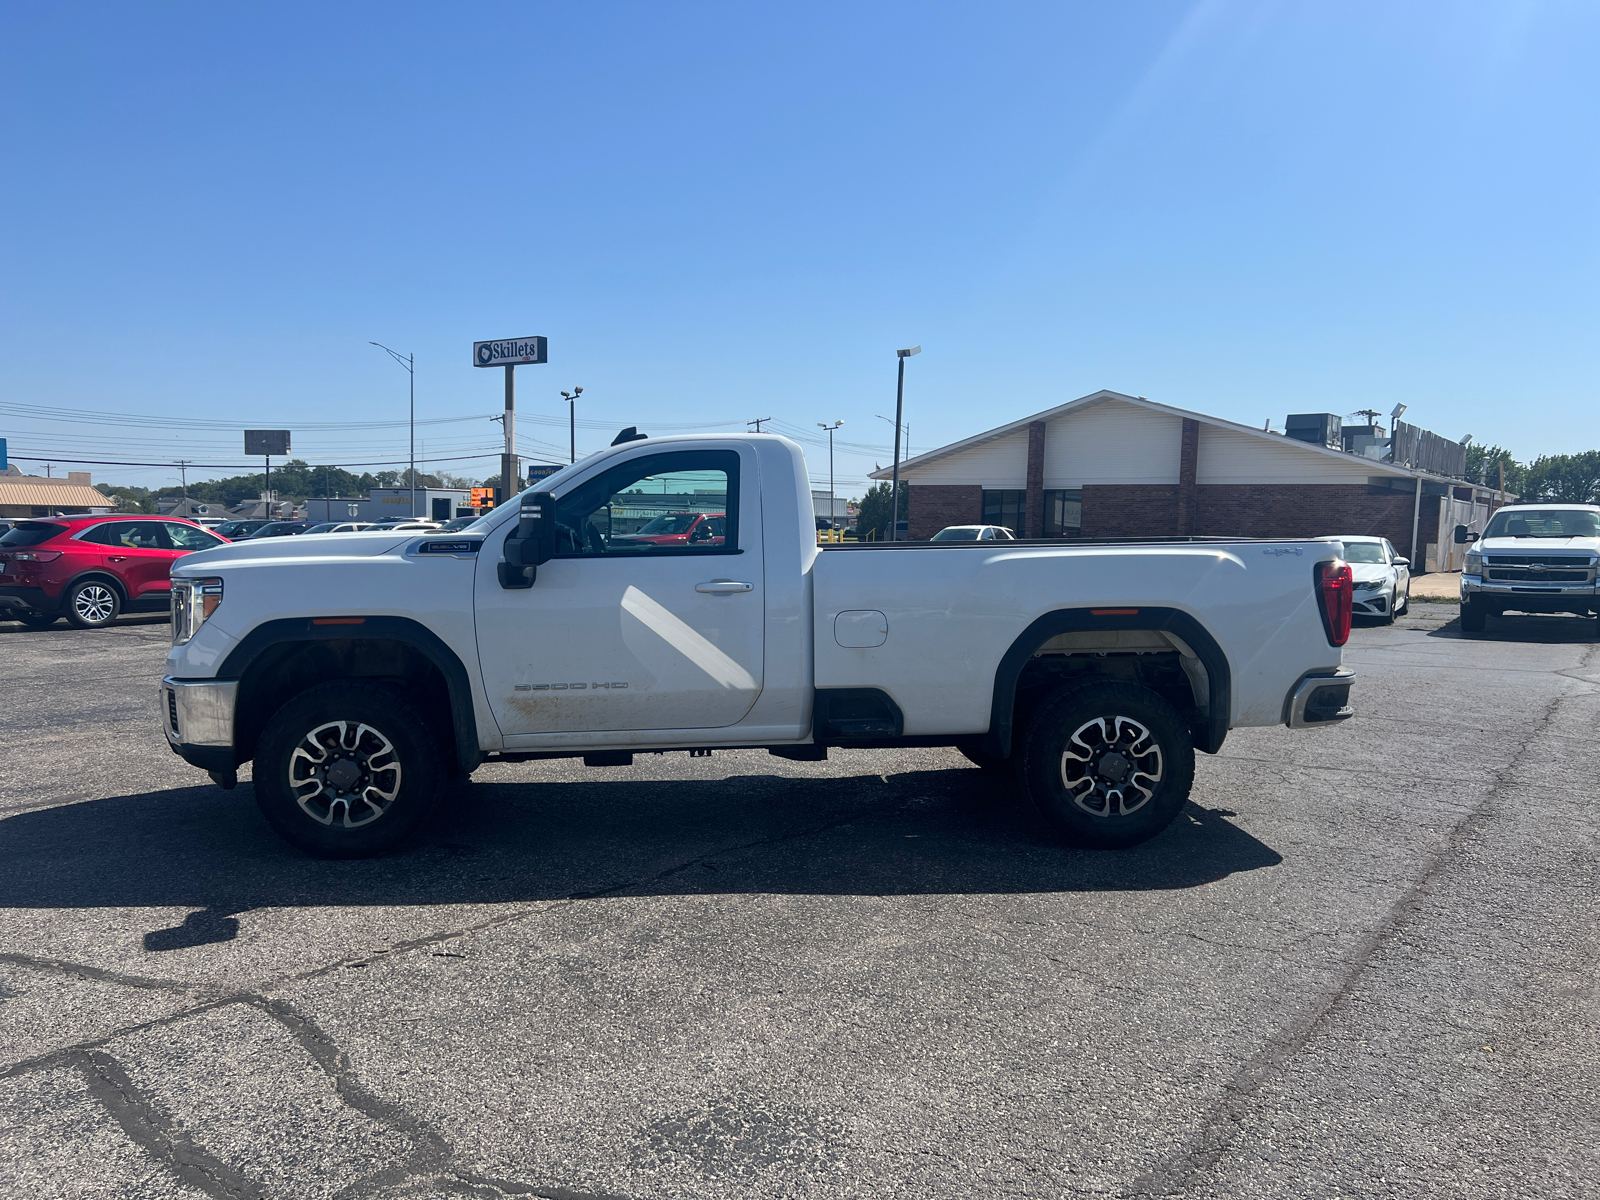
<point x="89" y="569"/>
<point x="679" y="529"/>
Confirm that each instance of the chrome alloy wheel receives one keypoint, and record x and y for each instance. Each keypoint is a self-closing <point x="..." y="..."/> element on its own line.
<point x="94" y="603"/>
<point x="1111" y="766"/>
<point x="344" y="773"/>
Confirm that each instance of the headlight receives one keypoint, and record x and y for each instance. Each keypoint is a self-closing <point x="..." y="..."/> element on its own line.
<point x="193" y="602"/>
<point x="1372" y="585"/>
<point x="1474" y="563"/>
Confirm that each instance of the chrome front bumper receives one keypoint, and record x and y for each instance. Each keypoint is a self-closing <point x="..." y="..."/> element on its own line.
<point x="1473" y="585"/>
<point x="198" y="712"/>
<point x="1320" y="699"/>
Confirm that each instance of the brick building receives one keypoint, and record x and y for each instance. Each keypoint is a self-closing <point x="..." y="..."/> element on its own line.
<point x="1109" y="465"/>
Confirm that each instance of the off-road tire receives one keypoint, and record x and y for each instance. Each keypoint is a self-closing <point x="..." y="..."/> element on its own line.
<point x="37" y="620"/>
<point x="1473" y="616"/>
<point x="92" y="604"/>
<point x="348" y="724"/>
<point x="1108" y="719"/>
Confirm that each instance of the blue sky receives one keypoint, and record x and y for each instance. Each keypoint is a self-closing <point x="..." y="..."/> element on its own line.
<point x="721" y="212"/>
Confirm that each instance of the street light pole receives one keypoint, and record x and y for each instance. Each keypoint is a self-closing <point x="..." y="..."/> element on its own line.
<point x="899" y="396"/>
<point x="832" y="503"/>
<point x="409" y="362"/>
<point x="572" y="419"/>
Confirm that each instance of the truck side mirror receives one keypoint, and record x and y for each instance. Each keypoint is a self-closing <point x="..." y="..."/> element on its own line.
<point x="531" y="542"/>
<point x="1461" y="535"/>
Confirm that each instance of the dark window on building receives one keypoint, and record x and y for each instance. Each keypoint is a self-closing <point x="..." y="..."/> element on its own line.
<point x="1063" y="514"/>
<point x="1006" y="508"/>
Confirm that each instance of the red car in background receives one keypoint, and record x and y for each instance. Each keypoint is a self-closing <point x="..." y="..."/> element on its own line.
<point x="90" y="569"/>
<point x="679" y="529"/>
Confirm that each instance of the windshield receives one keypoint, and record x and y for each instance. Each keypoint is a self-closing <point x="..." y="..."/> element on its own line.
<point x="1544" y="523"/>
<point x="1363" y="552"/>
<point x="31" y="533"/>
<point x="672" y="523"/>
<point x="957" y="533"/>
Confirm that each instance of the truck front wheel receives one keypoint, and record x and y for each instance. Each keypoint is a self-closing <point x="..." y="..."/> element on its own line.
<point x="1473" y="615"/>
<point x="347" y="770"/>
<point x="1109" y="765"/>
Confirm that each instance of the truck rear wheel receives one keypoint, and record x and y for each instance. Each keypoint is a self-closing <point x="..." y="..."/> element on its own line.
<point x="348" y="770"/>
<point x="1109" y="765"/>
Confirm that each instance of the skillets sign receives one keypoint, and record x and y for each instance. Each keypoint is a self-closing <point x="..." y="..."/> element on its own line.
<point x="510" y="352"/>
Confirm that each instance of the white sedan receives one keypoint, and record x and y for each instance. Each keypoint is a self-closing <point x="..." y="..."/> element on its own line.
<point x="974" y="533"/>
<point x="1382" y="577"/>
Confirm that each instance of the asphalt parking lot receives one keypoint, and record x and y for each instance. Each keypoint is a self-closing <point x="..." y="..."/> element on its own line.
<point x="1362" y="964"/>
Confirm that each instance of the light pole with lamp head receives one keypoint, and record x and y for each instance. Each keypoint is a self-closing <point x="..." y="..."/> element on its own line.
<point x="899" y="396"/>
<point x="832" y="504"/>
<point x="572" y="418"/>
<point x="409" y="362"/>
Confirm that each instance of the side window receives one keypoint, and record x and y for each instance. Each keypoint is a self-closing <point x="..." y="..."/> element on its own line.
<point x="104" y="535"/>
<point x="684" y="503"/>
<point x="129" y="535"/>
<point x="187" y="537"/>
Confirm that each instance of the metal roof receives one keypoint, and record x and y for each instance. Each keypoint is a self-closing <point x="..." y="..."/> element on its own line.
<point x="54" y="495"/>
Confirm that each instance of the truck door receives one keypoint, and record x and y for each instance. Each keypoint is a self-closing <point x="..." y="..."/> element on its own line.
<point x="629" y="635"/>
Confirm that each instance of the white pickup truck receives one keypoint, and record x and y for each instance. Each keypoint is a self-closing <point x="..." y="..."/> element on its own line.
<point x="363" y="672"/>
<point x="1533" y="558"/>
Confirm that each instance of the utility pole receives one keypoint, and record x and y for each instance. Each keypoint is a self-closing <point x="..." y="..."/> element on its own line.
<point x="409" y="362"/>
<point x="758" y="422"/>
<point x="899" y="396"/>
<point x="572" y="420"/>
<point x="183" y="482"/>
<point x="832" y="505"/>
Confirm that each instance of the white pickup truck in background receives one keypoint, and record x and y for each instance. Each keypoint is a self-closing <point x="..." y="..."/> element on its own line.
<point x="361" y="672"/>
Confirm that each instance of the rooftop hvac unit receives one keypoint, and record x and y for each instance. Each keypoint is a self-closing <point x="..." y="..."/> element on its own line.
<point x="1320" y="429"/>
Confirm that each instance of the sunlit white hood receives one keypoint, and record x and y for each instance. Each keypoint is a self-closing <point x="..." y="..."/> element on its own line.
<point x="1576" y="546"/>
<point x="363" y="544"/>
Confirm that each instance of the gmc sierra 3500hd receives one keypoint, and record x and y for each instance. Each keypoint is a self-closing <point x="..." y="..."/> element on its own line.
<point x="362" y="672"/>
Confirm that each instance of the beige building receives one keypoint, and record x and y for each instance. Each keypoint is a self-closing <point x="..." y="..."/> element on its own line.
<point x="41" y="496"/>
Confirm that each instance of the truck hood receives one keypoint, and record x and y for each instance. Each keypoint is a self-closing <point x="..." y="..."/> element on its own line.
<point x="1578" y="547"/>
<point x="303" y="548"/>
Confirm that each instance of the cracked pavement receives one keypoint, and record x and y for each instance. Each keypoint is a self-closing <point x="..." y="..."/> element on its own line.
<point x="1363" y="963"/>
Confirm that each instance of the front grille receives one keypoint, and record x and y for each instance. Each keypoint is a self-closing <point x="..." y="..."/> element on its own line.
<point x="1537" y="575"/>
<point x="172" y="710"/>
<point x="1529" y="560"/>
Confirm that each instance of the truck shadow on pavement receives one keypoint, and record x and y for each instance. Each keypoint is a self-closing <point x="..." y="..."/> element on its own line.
<point x="1555" y="630"/>
<point x="931" y="832"/>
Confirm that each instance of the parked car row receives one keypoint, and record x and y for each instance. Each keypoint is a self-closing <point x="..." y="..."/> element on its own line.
<point x="91" y="569"/>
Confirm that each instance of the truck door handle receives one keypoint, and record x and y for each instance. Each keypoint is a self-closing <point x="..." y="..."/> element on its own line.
<point x="724" y="587"/>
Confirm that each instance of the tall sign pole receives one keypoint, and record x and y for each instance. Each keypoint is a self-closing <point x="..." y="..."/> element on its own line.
<point x="899" y="396"/>
<point x="510" y="353"/>
<point x="508" y="460"/>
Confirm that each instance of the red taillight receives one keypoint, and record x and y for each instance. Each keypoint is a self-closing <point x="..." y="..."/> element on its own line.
<point x="1336" y="589"/>
<point x="36" y="555"/>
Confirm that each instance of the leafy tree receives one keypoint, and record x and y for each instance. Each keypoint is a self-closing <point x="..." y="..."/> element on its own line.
<point x="1564" y="478"/>
<point x="130" y="499"/>
<point x="1483" y="465"/>
<point x="874" y="509"/>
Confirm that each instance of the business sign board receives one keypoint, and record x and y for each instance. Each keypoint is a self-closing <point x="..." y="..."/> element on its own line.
<point x="266" y="441"/>
<point x="510" y="352"/>
<point x="482" y="497"/>
<point x="541" y="471"/>
<point x="3" y="463"/>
